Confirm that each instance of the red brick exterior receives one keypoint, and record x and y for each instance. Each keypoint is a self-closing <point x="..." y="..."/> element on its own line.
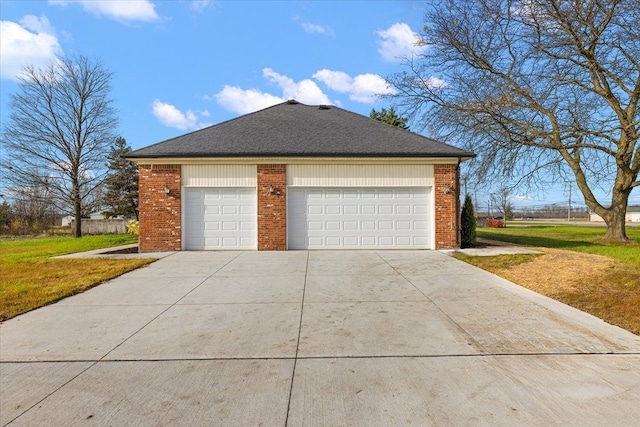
<point x="445" y="221"/>
<point x="272" y="208"/>
<point x="160" y="213"/>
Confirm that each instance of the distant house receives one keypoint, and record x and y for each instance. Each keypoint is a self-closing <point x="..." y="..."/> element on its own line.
<point x="633" y="215"/>
<point x="297" y="176"/>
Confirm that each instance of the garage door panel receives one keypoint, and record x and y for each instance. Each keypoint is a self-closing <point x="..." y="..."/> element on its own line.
<point x="316" y="210"/>
<point x="420" y="210"/>
<point x="312" y="225"/>
<point x="385" y="225"/>
<point x="358" y="218"/>
<point x="211" y="226"/>
<point x="404" y="241"/>
<point x="367" y="225"/>
<point x="247" y="210"/>
<point x="350" y="210"/>
<point x="351" y="225"/>
<point x="420" y="225"/>
<point x="403" y="225"/>
<point x="333" y="225"/>
<point x="351" y="241"/>
<point x="420" y="241"/>
<point x="220" y="218"/>
<point x="332" y="210"/>
<point x="368" y="210"/>
<point x="210" y="210"/>
<point x="247" y="226"/>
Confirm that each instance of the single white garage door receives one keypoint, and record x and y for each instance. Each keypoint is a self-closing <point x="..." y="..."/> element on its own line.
<point x="358" y="218"/>
<point x="220" y="218"/>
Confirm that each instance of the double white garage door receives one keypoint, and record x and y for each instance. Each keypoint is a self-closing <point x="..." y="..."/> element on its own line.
<point x="358" y="218"/>
<point x="317" y="218"/>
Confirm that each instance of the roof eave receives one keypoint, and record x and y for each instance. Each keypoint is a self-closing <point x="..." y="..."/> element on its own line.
<point x="463" y="155"/>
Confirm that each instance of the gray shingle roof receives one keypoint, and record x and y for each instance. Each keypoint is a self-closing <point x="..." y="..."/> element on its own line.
<point x="292" y="129"/>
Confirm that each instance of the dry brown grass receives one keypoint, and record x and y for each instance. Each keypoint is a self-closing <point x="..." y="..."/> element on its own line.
<point x="596" y="284"/>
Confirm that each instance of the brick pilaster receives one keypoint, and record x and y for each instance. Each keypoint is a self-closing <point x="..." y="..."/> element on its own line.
<point x="272" y="208"/>
<point x="160" y="213"/>
<point x="445" y="221"/>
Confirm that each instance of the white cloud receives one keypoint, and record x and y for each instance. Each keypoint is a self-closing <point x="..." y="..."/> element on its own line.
<point x="363" y="88"/>
<point x="367" y="87"/>
<point x="242" y="101"/>
<point x="310" y="28"/>
<point x="170" y="116"/>
<point x="30" y="42"/>
<point x="122" y="11"/>
<point x="199" y="5"/>
<point x="399" y="42"/>
<point x="432" y="82"/>
<point x="335" y="80"/>
<point x="305" y="91"/>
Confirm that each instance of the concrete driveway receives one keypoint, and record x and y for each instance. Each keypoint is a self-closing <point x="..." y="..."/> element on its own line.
<point x="318" y="339"/>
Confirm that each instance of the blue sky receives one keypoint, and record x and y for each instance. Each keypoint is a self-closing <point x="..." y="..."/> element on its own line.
<point x="182" y="65"/>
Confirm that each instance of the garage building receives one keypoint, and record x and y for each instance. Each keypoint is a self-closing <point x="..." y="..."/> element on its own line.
<point x="297" y="176"/>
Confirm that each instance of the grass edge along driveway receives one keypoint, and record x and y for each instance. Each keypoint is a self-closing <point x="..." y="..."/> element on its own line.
<point x="576" y="269"/>
<point x="29" y="278"/>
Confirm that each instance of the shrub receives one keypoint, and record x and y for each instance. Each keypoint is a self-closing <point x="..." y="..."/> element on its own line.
<point x="467" y="224"/>
<point x="133" y="227"/>
<point x="496" y="223"/>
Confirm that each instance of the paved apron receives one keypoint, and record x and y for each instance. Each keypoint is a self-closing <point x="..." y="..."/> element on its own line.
<point x="352" y="338"/>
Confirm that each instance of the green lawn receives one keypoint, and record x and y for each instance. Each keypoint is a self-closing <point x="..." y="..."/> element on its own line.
<point x="30" y="279"/>
<point x="573" y="238"/>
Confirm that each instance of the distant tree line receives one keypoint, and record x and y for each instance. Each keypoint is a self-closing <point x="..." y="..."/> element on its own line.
<point x="550" y="211"/>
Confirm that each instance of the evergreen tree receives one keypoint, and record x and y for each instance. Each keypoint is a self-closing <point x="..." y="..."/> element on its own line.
<point x="389" y="117"/>
<point x="6" y="214"/>
<point x="468" y="224"/>
<point x="508" y="212"/>
<point x="121" y="197"/>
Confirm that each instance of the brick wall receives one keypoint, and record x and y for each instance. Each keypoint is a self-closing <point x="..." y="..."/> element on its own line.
<point x="445" y="204"/>
<point x="160" y="213"/>
<point x="272" y="208"/>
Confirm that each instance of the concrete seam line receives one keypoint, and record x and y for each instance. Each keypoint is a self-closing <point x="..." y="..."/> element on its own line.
<point x="168" y="308"/>
<point x="95" y="362"/>
<point x="295" y="360"/>
<point x="472" y="340"/>
<point x="407" y="356"/>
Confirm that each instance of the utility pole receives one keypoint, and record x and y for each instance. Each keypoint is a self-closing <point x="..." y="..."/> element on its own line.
<point x="569" y="213"/>
<point x="569" y="206"/>
<point x="476" y="206"/>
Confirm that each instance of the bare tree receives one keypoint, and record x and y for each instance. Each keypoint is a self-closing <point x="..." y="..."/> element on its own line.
<point x="501" y="199"/>
<point x="539" y="89"/>
<point x="62" y="123"/>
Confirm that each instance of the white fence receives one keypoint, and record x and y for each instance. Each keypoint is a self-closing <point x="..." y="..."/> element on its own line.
<point x="102" y="226"/>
